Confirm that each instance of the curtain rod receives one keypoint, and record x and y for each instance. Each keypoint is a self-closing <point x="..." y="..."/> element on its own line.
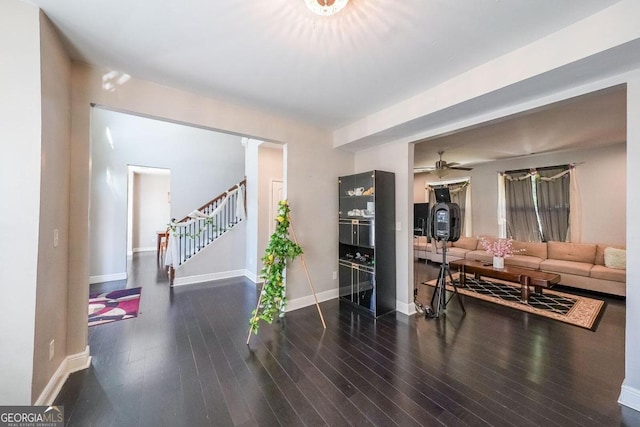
<point x="544" y="168"/>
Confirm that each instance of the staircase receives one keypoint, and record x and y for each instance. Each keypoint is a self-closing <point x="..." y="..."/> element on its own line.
<point x="204" y="226"/>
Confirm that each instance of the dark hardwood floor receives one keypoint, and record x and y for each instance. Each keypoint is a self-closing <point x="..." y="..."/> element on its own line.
<point x="184" y="362"/>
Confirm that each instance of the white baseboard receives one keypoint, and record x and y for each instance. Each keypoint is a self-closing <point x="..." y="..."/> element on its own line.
<point x="408" y="309"/>
<point x="190" y="280"/>
<point x="255" y="279"/>
<point x="70" y="364"/>
<point x="630" y="397"/>
<point x="298" y="303"/>
<point x="147" y="249"/>
<point x="108" y="277"/>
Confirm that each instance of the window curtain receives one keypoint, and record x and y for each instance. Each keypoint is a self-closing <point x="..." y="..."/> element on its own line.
<point x="552" y="189"/>
<point x="522" y="222"/>
<point x="575" y="212"/>
<point x="459" y="196"/>
<point x="502" y="208"/>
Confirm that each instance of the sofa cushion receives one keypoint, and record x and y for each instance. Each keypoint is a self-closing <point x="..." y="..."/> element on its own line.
<point x="420" y="242"/>
<point x="439" y="243"/>
<point x="534" y="249"/>
<point x="469" y="243"/>
<point x="606" y="273"/>
<point x="519" y="260"/>
<point x="577" y="252"/>
<point x="457" y="252"/>
<point x="615" y="258"/>
<point x="569" y="267"/>
<point x="600" y="252"/>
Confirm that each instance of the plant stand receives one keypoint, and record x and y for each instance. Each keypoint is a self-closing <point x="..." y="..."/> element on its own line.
<point x="306" y="270"/>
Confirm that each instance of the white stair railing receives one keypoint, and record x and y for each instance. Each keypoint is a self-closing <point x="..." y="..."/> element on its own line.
<point x="205" y="225"/>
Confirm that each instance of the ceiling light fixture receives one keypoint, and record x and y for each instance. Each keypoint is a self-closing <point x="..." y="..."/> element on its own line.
<point x="326" y="7"/>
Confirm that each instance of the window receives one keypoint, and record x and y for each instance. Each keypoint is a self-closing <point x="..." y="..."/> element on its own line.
<point x="536" y="204"/>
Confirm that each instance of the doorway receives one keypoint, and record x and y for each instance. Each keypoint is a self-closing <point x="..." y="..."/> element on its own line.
<point x="148" y="207"/>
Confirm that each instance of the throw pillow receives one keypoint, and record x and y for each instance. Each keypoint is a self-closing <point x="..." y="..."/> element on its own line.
<point x="615" y="258"/>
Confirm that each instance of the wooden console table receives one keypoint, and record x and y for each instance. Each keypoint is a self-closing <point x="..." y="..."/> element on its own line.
<point x="161" y="241"/>
<point x="525" y="277"/>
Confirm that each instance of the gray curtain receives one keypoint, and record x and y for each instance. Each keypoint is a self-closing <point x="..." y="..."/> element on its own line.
<point x="522" y="223"/>
<point x="553" y="204"/>
<point x="459" y="196"/>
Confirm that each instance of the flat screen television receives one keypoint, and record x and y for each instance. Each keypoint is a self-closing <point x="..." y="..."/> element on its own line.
<point x="420" y="216"/>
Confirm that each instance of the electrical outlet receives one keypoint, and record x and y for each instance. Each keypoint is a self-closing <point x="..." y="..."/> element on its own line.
<point x="335" y="275"/>
<point x="52" y="349"/>
<point x="398" y="226"/>
<point x="55" y="238"/>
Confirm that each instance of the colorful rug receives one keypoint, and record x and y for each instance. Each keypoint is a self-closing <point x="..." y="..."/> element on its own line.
<point x="111" y="306"/>
<point x="573" y="309"/>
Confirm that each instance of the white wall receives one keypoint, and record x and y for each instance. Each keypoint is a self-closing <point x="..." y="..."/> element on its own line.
<point x="269" y="168"/>
<point x="419" y="179"/>
<point x="397" y="158"/>
<point x="630" y="395"/>
<point x="203" y="164"/>
<point x="20" y="133"/>
<point x="151" y="209"/>
<point x="252" y="256"/>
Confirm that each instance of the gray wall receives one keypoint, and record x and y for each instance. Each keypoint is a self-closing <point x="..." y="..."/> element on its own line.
<point x="601" y="180"/>
<point x="203" y="164"/>
<point x="54" y="209"/>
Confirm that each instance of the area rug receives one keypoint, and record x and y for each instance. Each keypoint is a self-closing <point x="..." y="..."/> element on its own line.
<point x="573" y="309"/>
<point x="111" y="306"/>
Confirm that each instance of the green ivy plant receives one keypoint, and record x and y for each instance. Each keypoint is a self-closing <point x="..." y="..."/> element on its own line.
<point x="280" y="250"/>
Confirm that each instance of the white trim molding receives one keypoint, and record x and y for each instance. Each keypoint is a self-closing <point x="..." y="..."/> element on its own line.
<point x="298" y="303"/>
<point x="404" y="308"/>
<point x="70" y="364"/>
<point x="630" y="397"/>
<point x="144" y="249"/>
<point x="251" y="276"/>
<point x="200" y="278"/>
<point x="108" y="278"/>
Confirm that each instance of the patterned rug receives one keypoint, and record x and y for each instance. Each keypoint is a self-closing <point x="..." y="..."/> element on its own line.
<point x="573" y="309"/>
<point x="111" y="306"/>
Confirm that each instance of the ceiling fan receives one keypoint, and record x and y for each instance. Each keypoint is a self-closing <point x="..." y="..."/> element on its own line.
<point x="441" y="167"/>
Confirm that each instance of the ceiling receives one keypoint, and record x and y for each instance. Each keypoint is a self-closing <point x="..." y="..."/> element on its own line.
<point x="277" y="56"/>
<point x="595" y="119"/>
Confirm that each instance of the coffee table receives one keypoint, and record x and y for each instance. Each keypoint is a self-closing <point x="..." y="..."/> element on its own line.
<point x="525" y="277"/>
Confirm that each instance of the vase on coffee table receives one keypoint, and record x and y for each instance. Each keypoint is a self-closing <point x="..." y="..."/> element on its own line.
<point x="498" y="262"/>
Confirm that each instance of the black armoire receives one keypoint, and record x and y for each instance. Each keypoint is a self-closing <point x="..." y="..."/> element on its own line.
<point x="367" y="243"/>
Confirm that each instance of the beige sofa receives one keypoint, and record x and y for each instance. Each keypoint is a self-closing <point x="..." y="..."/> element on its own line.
<point x="580" y="265"/>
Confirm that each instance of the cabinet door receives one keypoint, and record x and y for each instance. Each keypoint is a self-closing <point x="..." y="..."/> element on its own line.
<point x="364" y="233"/>
<point x="366" y="289"/>
<point x="346" y="289"/>
<point x="347" y="233"/>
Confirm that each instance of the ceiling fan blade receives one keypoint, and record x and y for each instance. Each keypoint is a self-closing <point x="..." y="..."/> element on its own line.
<point x="423" y="169"/>
<point x="460" y="168"/>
